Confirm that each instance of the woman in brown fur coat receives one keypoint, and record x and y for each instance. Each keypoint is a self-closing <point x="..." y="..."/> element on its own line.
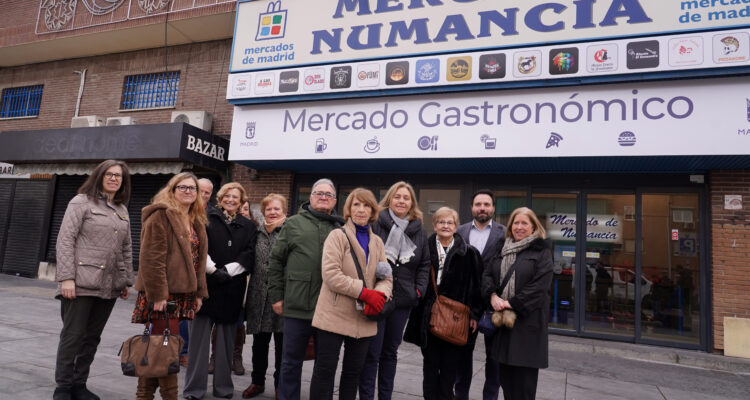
<point x="172" y="266"/>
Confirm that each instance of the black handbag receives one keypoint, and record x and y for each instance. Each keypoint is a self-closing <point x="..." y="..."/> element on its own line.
<point x="389" y="305"/>
<point x="485" y="323"/>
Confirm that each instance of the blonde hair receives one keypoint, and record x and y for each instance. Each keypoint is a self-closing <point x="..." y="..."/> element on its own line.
<point x="229" y="186"/>
<point x="442" y="212"/>
<point x="271" y="197"/>
<point x="414" y="211"/>
<point x="538" y="228"/>
<point x="165" y="196"/>
<point x="365" y="196"/>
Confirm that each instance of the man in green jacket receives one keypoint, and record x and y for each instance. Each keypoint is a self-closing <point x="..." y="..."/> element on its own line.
<point x="294" y="279"/>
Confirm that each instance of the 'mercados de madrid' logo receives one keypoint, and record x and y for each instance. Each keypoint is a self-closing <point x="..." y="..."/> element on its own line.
<point x="272" y="23"/>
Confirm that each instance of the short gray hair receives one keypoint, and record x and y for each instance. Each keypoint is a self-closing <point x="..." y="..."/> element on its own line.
<point x="326" y="181"/>
<point x="206" y="180"/>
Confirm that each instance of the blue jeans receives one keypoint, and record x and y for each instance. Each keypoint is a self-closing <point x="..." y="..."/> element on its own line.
<point x="297" y="334"/>
<point x="465" y="372"/>
<point x="382" y="356"/>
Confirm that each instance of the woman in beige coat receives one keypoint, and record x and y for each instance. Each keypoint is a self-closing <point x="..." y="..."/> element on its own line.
<point x="345" y="301"/>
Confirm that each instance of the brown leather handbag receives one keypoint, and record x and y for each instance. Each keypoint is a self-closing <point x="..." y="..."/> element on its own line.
<point x="449" y="320"/>
<point x="151" y="356"/>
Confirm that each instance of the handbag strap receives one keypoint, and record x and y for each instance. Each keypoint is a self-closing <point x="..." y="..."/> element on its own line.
<point x="507" y="278"/>
<point x="354" y="257"/>
<point x="432" y="276"/>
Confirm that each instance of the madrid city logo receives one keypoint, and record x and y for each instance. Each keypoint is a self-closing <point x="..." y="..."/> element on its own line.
<point x="272" y="23"/>
<point x="250" y="130"/>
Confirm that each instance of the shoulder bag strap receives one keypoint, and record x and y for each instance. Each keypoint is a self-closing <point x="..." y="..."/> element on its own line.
<point x="507" y="277"/>
<point x="434" y="283"/>
<point x="354" y="257"/>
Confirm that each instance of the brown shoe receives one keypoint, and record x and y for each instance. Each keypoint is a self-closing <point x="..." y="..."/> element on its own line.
<point x="252" y="391"/>
<point x="211" y="364"/>
<point x="184" y="360"/>
<point x="239" y="341"/>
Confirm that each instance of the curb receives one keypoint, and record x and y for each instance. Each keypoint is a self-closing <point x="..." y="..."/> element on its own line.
<point x="663" y="355"/>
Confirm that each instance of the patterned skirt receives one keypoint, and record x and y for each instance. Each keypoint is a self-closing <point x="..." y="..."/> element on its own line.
<point x="186" y="306"/>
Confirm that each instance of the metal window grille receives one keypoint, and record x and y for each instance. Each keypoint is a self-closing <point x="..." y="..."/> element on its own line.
<point x="21" y="101"/>
<point x="150" y="90"/>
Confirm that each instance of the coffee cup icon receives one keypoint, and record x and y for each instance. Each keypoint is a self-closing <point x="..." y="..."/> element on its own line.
<point x="320" y="145"/>
<point x="372" y="145"/>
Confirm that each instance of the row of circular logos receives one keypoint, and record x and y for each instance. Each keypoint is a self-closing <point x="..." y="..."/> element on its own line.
<point x="668" y="53"/>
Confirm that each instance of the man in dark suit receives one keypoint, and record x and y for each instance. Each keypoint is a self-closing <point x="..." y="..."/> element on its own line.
<point x="488" y="237"/>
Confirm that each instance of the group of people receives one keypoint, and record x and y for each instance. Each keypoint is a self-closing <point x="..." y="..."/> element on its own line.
<point x="365" y="280"/>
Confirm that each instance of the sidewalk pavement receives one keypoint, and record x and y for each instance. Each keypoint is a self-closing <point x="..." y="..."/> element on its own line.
<point x="580" y="369"/>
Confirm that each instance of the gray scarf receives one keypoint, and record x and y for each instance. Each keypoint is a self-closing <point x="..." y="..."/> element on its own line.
<point x="510" y="253"/>
<point x="398" y="247"/>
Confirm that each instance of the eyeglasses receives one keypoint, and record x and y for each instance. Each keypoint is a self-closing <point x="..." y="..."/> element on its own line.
<point x="186" y="189"/>
<point x="112" y="175"/>
<point x="327" y="195"/>
<point x="445" y="223"/>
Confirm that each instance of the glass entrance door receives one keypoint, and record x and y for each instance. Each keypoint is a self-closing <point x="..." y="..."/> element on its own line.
<point x="671" y="266"/>
<point x="610" y="270"/>
<point x="558" y="214"/>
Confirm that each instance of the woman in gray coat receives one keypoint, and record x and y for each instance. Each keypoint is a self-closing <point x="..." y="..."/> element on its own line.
<point x="94" y="267"/>
<point x="262" y="322"/>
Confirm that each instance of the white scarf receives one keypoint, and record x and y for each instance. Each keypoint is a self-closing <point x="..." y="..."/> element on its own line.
<point x="442" y="253"/>
<point x="398" y="247"/>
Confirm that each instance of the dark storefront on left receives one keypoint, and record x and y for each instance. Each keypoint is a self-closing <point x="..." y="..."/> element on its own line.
<point x="50" y="165"/>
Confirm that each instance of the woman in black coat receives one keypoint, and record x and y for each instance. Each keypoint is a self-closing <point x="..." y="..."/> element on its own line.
<point x="522" y="347"/>
<point x="231" y="250"/>
<point x="458" y="270"/>
<point x="399" y="224"/>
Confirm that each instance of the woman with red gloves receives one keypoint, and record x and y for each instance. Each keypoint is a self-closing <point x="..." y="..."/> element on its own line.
<point x="345" y="299"/>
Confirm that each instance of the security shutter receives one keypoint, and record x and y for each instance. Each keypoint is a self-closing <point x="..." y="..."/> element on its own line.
<point x="26" y="228"/>
<point x="65" y="189"/>
<point x="142" y="190"/>
<point x="6" y="193"/>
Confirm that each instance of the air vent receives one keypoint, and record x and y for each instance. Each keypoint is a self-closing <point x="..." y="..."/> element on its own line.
<point x="198" y="119"/>
<point x="86" y="121"/>
<point x="117" y="121"/>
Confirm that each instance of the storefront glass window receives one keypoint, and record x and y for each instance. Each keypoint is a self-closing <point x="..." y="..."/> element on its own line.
<point x="432" y="199"/>
<point x="553" y="211"/>
<point x="610" y="265"/>
<point x="671" y="261"/>
<point x="506" y="201"/>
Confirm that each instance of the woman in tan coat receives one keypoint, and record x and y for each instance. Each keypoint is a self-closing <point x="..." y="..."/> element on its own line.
<point x="172" y="266"/>
<point x="345" y="300"/>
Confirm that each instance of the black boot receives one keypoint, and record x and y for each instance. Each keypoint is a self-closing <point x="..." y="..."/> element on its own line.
<point x="79" y="392"/>
<point x="62" y="393"/>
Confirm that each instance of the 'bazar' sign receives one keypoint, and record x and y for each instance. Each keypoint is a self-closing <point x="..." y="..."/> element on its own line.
<point x="273" y="34"/>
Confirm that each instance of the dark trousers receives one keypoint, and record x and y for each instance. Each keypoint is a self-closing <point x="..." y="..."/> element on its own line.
<point x="519" y="383"/>
<point x="466" y="371"/>
<point x="185" y="333"/>
<point x="297" y="334"/>
<point x="261" y="344"/>
<point x="83" y="322"/>
<point x="382" y="357"/>
<point x="439" y="366"/>
<point x="326" y="360"/>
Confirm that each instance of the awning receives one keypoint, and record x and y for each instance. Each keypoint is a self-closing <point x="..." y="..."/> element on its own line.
<point x="86" y="168"/>
<point x="159" y="147"/>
